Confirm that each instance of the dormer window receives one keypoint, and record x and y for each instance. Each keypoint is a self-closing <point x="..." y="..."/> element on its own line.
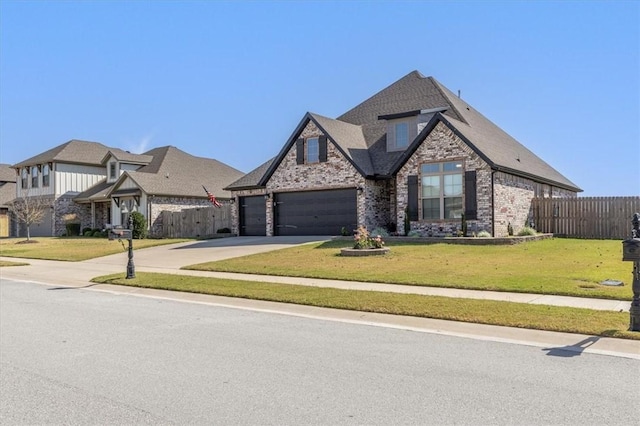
<point x="112" y="170"/>
<point x="402" y="135"/>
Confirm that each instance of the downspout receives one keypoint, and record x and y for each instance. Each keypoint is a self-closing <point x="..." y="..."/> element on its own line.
<point x="493" y="211"/>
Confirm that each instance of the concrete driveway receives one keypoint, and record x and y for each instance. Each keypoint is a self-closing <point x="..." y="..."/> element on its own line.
<point x="175" y="256"/>
<point x="155" y="259"/>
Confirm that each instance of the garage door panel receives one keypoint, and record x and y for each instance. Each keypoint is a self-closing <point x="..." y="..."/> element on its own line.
<point x="253" y="213"/>
<point x="315" y="212"/>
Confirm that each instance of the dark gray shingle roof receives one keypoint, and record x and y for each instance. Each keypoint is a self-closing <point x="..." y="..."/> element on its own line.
<point x="251" y="179"/>
<point x="416" y="92"/>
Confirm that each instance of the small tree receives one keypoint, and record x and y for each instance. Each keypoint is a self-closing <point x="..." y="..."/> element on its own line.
<point x="139" y="225"/>
<point x="30" y="211"/>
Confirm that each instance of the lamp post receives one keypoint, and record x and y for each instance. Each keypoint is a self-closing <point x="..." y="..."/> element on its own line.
<point x="131" y="269"/>
<point x="631" y="252"/>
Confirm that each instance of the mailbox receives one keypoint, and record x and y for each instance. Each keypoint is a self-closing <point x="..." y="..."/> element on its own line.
<point x="631" y="250"/>
<point x="120" y="234"/>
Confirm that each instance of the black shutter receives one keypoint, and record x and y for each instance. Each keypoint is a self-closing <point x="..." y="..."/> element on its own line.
<point x="300" y="151"/>
<point x="322" y="144"/>
<point x="470" y="202"/>
<point x="412" y="199"/>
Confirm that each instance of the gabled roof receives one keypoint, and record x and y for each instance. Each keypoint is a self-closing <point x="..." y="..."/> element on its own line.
<point x="173" y="172"/>
<point x="74" y="151"/>
<point x="126" y="157"/>
<point x="415" y="92"/>
<point x="360" y="133"/>
<point x="346" y="137"/>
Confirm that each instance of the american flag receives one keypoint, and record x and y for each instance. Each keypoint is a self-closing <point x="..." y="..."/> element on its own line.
<point x="212" y="198"/>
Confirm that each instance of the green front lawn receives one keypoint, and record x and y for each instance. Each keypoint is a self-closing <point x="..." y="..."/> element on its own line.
<point x="553" y="266"/>
<point x="552" y="318"/>
<point x="71" y="248"/>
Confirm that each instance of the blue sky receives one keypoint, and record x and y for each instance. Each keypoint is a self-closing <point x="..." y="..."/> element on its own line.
<point x="231" y="80"/>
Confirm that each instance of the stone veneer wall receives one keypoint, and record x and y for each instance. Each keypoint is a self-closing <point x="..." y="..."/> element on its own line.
<point x="68" y="211"/>
<point x="337" y="172"/>
<point x="173" y="204"/>
<point x="443" y="145"/>
<point x="235" y="209"/>
<point x="377" y="200"/>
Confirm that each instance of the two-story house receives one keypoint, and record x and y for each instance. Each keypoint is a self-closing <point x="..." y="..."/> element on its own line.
<point x="96" y="186"/>
<point x="412" y="153"/>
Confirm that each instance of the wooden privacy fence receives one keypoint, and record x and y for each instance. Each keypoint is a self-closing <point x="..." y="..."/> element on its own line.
<point x="202" y="222"/>
<point x="586" y="217"/>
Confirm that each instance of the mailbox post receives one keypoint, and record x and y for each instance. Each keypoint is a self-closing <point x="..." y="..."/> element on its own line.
<point x="126" y="234"/>
<point x="631" y="253"/>
<point x="131" y="269"/>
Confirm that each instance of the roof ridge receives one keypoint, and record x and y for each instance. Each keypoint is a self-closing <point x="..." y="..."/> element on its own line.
<point x="438" y="87"/>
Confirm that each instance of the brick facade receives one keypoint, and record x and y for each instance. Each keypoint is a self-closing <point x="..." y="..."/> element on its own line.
<point x="335" y="173"/>
<point x="443" y="145"/>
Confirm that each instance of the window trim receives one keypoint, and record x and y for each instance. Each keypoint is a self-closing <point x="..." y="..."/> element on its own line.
<point x="441" y="173"/>
<point x="113" y="170"/>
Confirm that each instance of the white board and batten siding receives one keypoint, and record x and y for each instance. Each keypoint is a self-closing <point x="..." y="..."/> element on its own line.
<point x="76" y="178"/>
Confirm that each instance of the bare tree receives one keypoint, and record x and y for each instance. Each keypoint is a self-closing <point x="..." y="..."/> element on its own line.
<point x="30" y="210"/>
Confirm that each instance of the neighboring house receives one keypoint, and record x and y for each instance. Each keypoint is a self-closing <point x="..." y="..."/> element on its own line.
<point x="413" y="150"/>
<point x="95" y="186"/>
<point x="7" y="195"/>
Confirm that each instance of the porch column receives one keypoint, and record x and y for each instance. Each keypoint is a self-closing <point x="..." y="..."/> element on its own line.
<point x="93" y="215"/>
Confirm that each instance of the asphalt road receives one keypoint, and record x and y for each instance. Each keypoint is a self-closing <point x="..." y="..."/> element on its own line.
<point x="77" y="356"/>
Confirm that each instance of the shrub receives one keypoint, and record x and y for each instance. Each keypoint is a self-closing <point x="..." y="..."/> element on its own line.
<point x="463" y="225"/>
<point x="86" y="231"/>
<point x="72" y="229"/>
<point x="97" y="233"/>
<point x="344" y="232"/>
<point x="527" y="231"/>
<point x="223" y="231"/>
<point x="139" y="225"/>
<point x="483" y="234"/>
<point x="413" y="234"/>
<point x="407" y="222"/>
<point x="381" y="232"/>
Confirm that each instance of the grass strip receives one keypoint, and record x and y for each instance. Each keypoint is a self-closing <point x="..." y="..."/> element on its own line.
<point x="555" y="266"/>
<point x="4" y="263"/>
<point x="541" y="317"/>
<point x="72" y="249"/>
